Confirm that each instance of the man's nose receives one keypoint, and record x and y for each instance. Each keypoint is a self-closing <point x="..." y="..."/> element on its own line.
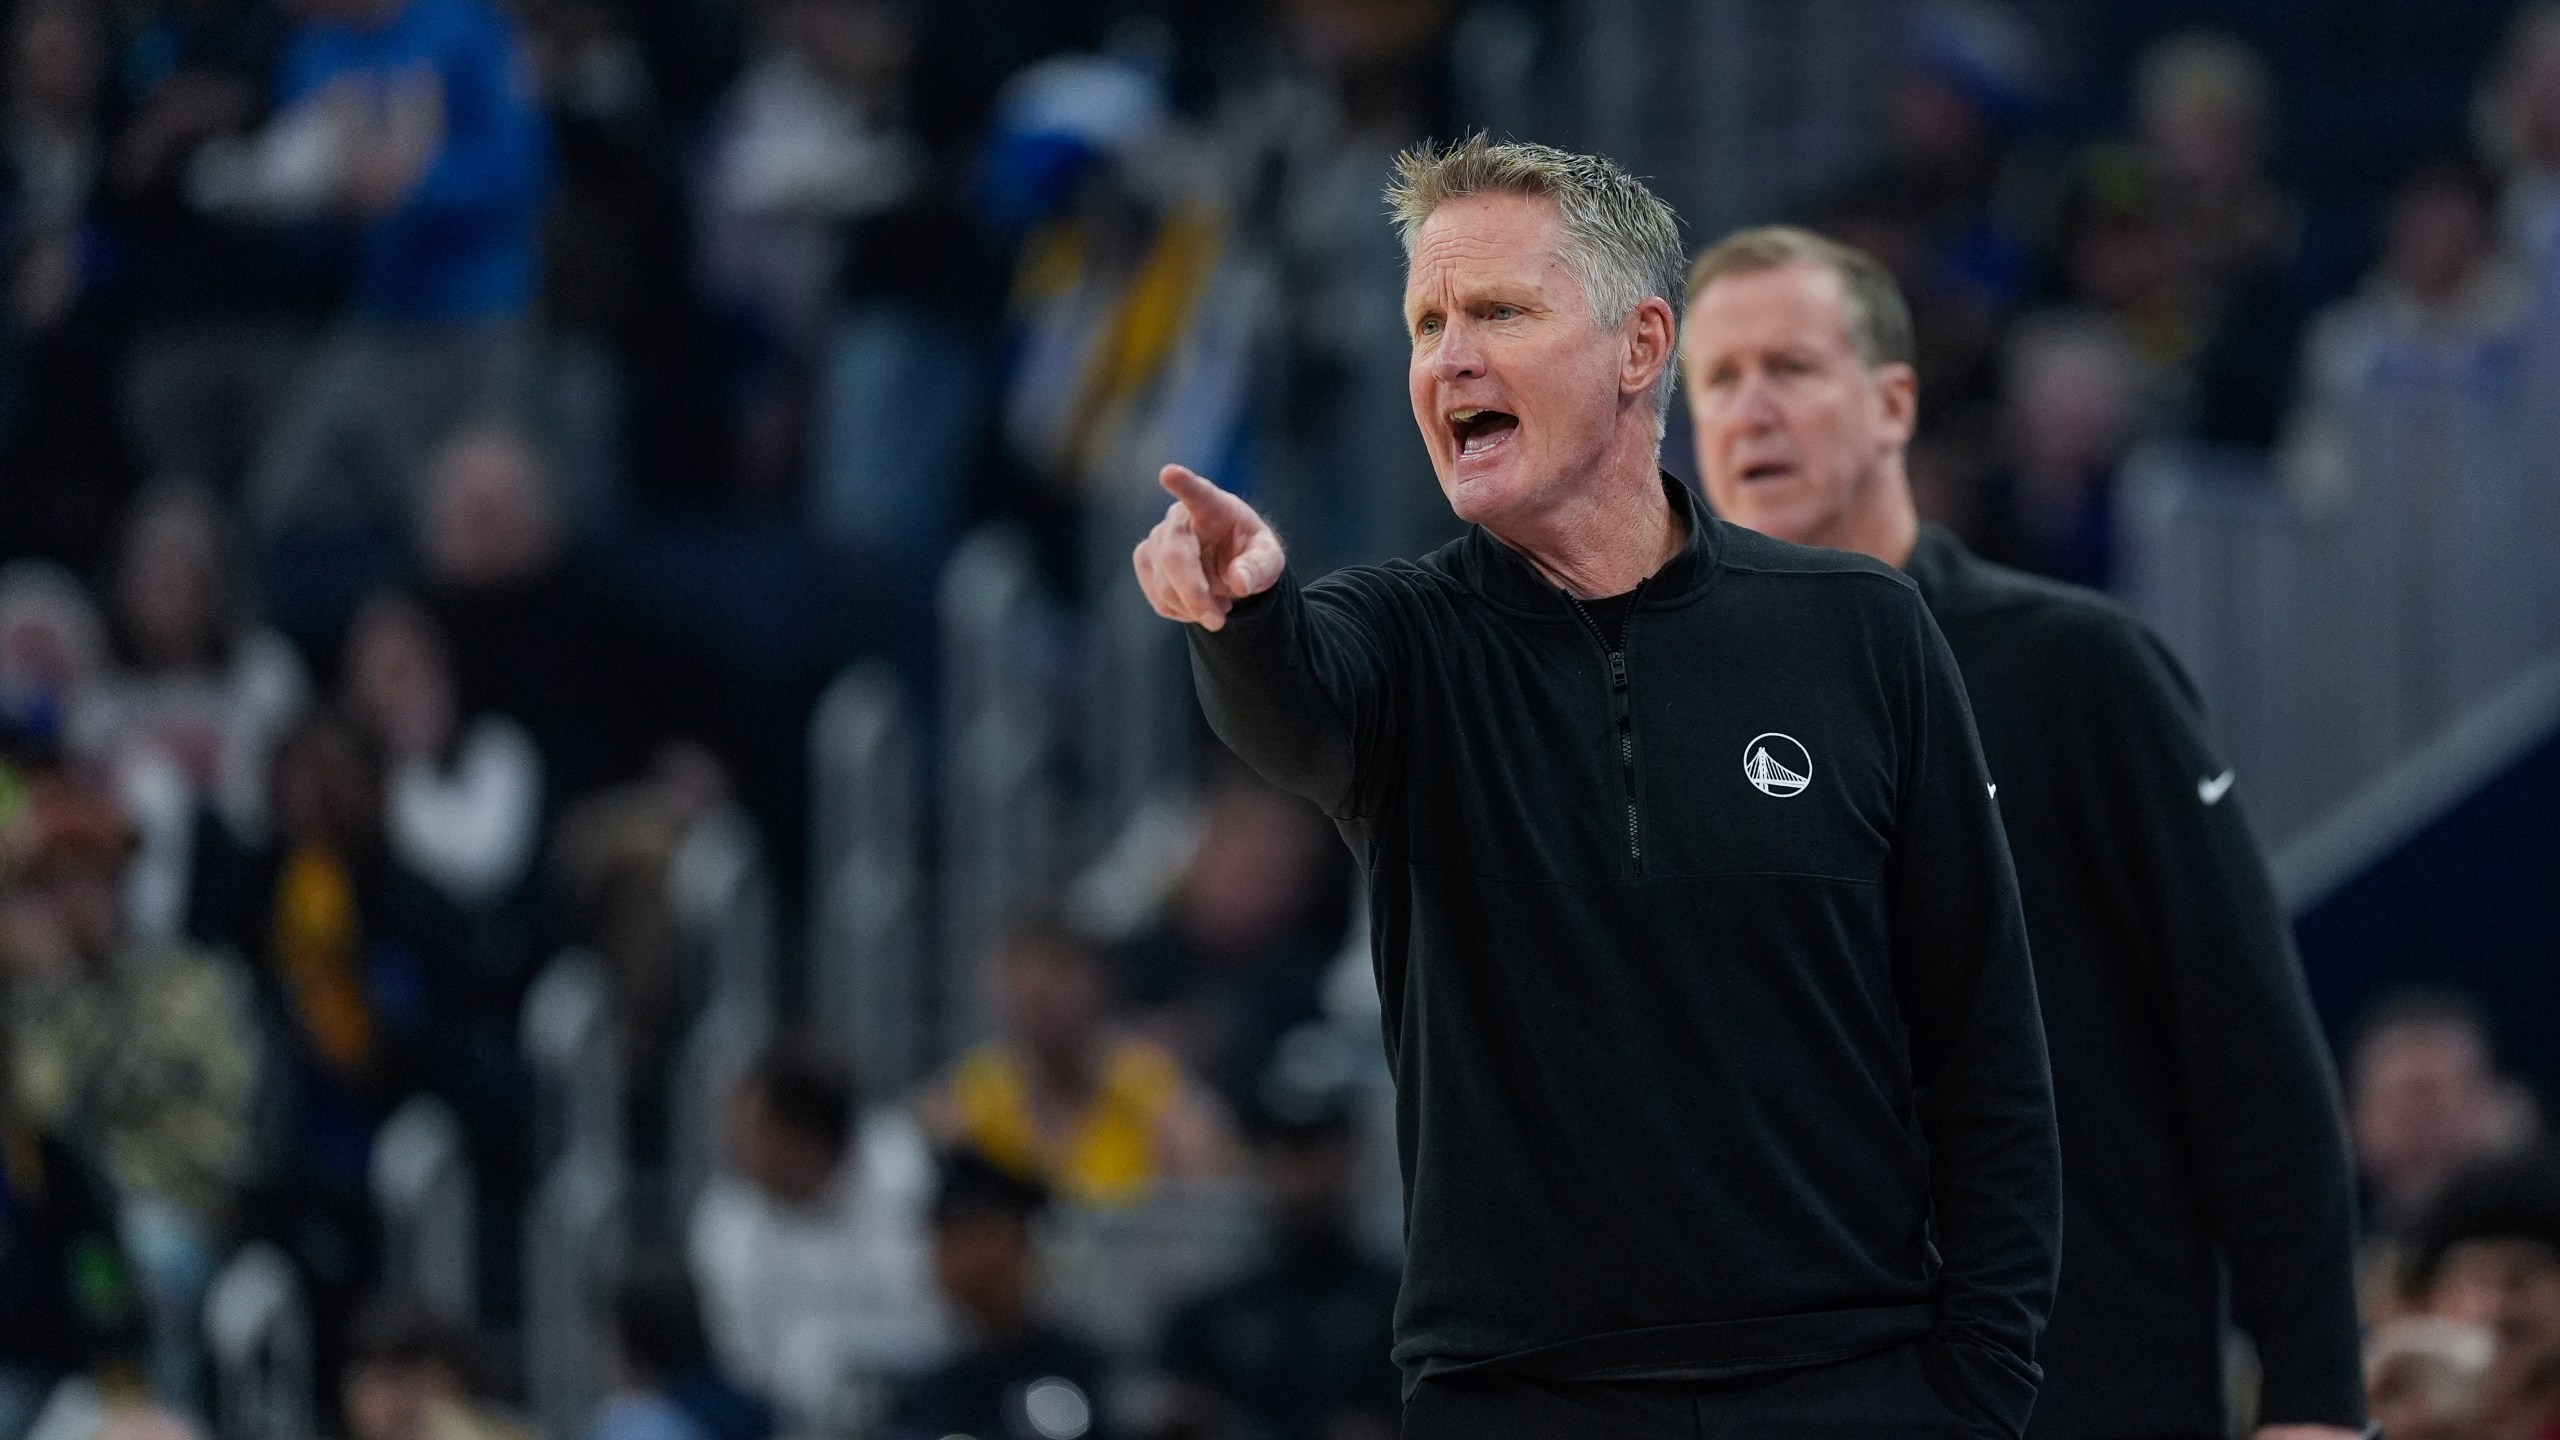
<point x="1458" y="356"/>
<point x="1755" y="406"/>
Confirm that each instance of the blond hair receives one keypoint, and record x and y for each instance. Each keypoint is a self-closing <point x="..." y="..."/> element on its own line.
<point x="1879" y="318"/>
<point x="1621" y="242"/>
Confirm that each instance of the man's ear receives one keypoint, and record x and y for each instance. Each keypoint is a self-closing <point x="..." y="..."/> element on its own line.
<point x="1898" y="386"/>
<point x="1653" y="343"/>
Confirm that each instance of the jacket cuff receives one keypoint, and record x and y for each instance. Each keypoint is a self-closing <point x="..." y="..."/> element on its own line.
<point x="1260" y="602"/>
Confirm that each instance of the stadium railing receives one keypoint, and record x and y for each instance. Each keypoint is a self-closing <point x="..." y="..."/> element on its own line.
<point x="998" y="807"/>
<point x="423" y="1192"/>
<point x="867" y="982"/>
<point x="724" y="897"/>
<point x="574" y="1227"/>
<point x="2337" y="628"/>
<point x="257" y="1332"/>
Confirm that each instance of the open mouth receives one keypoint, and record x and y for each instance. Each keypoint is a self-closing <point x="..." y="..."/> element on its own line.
<point x="1480" y="432"/>
<point x="1766" y="470"/>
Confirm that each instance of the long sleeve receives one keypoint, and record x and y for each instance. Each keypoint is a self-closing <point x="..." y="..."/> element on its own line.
<point x="1985" y="1093"/>
<point x="2255" y="1077"/>
<point x="1298" y="685"/>
<point x="495" y="149"/>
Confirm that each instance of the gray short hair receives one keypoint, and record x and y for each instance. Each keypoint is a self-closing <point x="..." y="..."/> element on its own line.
<point x="1879" y="318"/>
<point x="1621" y="242"/>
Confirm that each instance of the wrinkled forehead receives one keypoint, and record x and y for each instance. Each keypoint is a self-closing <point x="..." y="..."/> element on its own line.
<point x="1489" y="241"/>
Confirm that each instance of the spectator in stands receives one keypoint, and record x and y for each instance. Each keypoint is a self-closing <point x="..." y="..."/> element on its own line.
<point x="1073" y="135"/>
<point x="1297" y="1349"/>
<point x="2073" y="397"/>
<point x="141" y="1053"/>
<point x="1947" y="211"/>
<point x="2518" y="123"/>
<point x="55" y="145"/>
<point x="810" y="1244"/>
<point x="352" y="940"/>
<point x="464" y="792"/>
<point x="2424" y="1374"/>
<point x="1016" y="1378"/>
<point x="1313" y="111"/>
<point x="203" y="686"/>
<point x="808" y="138"/>
<point x="443" y="170"/>
<point x="53" y="650"/>
<point x="221" y="309"/>
<point x="1063" y="1097"/>
<point x="415" y="1375"/>
<point x="1240" y="952"/>
<point x="462" y="807"/>
<point x="532" y="638"/>
<point x="2128" y="254"/>
<point x="57" y="327"/>
<point x="2425" y="1098"/>
<point x="355" y="959"/>
<point x="630" y="403"/>
<point x="2428" y="327"/>
<point x="2487" y="1254"/>
<point x="667" y="1384"/>
<point x="67" y="1306"/>
<point x="1967" y="79"/>
<point x="2206" y="118"/>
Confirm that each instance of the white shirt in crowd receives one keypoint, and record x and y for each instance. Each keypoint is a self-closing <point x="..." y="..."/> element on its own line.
<point x="470" y="827"/>
<point x="219" y="729"/>
<point x="816" y="1307"/>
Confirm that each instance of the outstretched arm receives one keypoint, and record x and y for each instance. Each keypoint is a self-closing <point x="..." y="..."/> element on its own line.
<point x="1293" y="680"/>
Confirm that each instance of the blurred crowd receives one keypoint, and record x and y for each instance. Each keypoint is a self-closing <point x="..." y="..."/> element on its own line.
<point x="2077" y="297"/>
<point x="444" y="444"/>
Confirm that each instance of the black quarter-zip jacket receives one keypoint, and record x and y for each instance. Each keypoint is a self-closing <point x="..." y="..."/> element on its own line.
<point x="1706" y="989"/>
<point x="2202" y="1146"/>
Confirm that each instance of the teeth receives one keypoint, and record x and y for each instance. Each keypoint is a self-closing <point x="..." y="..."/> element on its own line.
<point x="1464" y="417"/>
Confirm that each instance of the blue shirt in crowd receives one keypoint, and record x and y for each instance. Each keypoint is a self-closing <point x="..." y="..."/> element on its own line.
<point x="464" y="245"/>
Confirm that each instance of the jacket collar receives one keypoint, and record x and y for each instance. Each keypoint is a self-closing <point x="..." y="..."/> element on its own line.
<point x="1505" y="576"/>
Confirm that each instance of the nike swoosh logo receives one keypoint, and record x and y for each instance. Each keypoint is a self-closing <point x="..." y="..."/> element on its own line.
<point x="2211" y="791"/>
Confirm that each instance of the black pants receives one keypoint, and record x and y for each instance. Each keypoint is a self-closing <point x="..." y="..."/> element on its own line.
<point x="1896" y="1394"/>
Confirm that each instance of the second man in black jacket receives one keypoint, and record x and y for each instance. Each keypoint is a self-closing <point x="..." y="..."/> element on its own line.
<point x="2200" y="1129"/>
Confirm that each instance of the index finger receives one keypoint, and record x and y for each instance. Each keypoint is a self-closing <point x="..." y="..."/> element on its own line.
<point x="1198" y="494"/>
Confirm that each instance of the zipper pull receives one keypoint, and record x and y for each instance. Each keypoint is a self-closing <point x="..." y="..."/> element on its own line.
<point x="1617" y="669"/>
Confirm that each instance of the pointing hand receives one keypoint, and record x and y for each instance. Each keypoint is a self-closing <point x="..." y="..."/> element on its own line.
<point x="1209" y="551"/>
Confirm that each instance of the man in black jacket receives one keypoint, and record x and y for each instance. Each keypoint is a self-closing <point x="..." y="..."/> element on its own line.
<point x="1721" y="1091"/>
<point x="2200" y="1126"/>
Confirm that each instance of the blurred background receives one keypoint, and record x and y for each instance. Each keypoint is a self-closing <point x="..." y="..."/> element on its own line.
<point x="595" y="842"/>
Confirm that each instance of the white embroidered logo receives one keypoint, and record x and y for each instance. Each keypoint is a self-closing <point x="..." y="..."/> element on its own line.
<point x="1777" y="765"/>
<point x="2211" y="791"/>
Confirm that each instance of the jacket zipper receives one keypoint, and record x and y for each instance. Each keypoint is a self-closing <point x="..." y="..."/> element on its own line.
<point x="1622" y="707"/>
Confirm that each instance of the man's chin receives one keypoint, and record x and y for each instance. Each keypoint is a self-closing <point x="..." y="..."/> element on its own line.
<point x="1479" y="499"/>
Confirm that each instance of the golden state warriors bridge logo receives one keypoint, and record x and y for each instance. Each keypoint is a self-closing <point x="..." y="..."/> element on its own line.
<point x="1777" y="765"/>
